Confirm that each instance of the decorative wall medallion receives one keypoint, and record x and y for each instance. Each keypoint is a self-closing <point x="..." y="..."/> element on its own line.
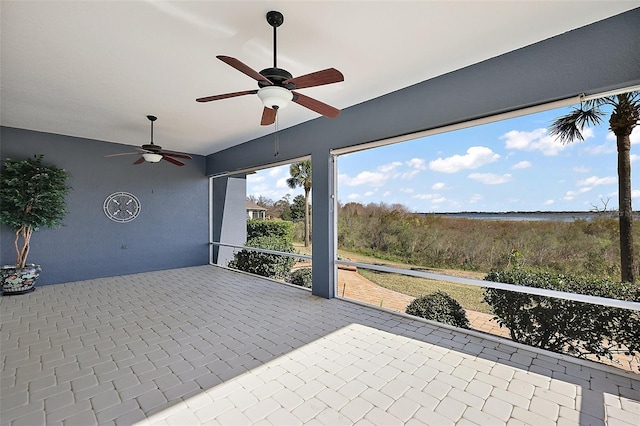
<point x="121" y="207"/>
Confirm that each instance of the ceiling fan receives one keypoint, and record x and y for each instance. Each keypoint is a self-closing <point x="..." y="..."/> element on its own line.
<point x="277" y="86"/>
<point x="153" y="153"/>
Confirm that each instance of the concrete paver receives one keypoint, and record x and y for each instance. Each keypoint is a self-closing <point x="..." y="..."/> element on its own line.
<point x="206" y="345"/>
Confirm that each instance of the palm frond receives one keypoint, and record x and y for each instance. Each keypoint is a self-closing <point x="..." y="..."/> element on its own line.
<point x="569" y="127"/>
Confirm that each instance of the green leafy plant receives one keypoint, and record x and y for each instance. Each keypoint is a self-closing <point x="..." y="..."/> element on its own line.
<point x="280" y="229"/>
<point x="265" y="264"/>
<point x="441" y="307"/>
<point x="301" y="277"/>
<point x="576" y="328"/>
<point x="32" y="195"/>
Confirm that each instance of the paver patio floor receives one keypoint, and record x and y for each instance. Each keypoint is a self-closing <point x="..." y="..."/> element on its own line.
<point x="206" y="345"/>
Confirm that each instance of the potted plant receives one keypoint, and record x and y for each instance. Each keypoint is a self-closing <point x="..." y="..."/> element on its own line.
<point x="32" y="195"/>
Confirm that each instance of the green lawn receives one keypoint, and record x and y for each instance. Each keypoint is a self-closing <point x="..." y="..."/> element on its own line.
<point x="470" y="297"/>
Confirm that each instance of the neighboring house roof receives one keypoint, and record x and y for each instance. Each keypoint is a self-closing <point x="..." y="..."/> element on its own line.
<point x="254" y="206"/>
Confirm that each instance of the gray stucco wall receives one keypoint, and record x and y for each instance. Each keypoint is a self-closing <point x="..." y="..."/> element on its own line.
<point x="592" y="59"/>
<point x="171" y="231"/>
<point x="229" y="218"/>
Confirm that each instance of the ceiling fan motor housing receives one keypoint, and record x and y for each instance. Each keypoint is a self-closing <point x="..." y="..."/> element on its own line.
<point x="277" y="76"/>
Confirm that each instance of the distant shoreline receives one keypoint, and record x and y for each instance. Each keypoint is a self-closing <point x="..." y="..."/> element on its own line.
<point x="561" y="216"/>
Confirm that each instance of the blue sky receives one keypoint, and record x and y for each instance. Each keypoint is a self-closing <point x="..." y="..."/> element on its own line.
<point x="511" y="165"/>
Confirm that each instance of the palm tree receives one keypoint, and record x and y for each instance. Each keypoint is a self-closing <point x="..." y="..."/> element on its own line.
<point x="624" y="118"/>
<point x="301" y="177"/>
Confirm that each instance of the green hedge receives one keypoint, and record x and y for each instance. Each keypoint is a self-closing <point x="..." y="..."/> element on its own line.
<point x="441" y="307"/>
<point x="280" y="229"/>
<point x="265" y="264"/>
<point x="301" y="277"/>
<point x="575" y="328"/>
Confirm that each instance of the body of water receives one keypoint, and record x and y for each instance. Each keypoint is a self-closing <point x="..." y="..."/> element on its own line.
<point x="532" y="216"/>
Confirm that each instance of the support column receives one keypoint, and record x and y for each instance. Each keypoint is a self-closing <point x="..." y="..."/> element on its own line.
<point x="323" y="224"/>
<point x="229" y="216"/>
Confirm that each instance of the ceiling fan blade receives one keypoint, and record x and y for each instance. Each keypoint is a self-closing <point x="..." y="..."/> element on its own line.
<point x="139" y="161"/>
<point x="243" y="68"/>
<point x="175" y="154"/>
<point x="318" y="78"/>
<point x="227" y="95"/>
<point x="315" y="105"/>
<point x="172" y="160"/>
<point x="123" y="153"/>
<point x="268" y="116"/>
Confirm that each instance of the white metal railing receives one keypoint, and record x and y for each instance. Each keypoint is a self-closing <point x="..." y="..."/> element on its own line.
<point x="577" y="297"/>
<point x="595" y="300"/>
<point x="261" y="250"/>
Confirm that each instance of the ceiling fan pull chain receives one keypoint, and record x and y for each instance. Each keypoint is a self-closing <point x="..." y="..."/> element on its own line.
<point x="276" y="142"/>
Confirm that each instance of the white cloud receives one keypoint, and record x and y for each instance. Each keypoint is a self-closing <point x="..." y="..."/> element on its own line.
<point x="588" y="133"/>
<point x="368" y="193"/>
<point x="548" y="202"/>
<point x="259" y="188"/>
<point x="417" y="163"/>
<point x="570" y="195"/>
<point x="388" y="168"/>
<point x="282" y="183"/>
<point x="522" y="165"/>
<point x="364" y="178"/>
<point x="634" y="157"/>
<point x="635" y="193"/>
<point x="490" y="178"/>
<point x="254" y="178"/>
<point x="377" y="178"/>
<point x="580" y="169"/>
<point x="406" y="190"/>
<point x="386" y="193"/>
<point x="595" y="181"/>
<point x="475" y="198"/>
<point x="476" y="156"/>
<point x="607" y="148"/>
<point x="353" y="196"/>
<point x="430" y="197"/>
<point x="537" y="140"/>
<point x="410" y="174"/>
<point x="277" y="171"/>
<point x="437" y="186"/>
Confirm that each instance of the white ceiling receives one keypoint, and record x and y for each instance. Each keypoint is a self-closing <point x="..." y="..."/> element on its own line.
<point x="95" y="69"/>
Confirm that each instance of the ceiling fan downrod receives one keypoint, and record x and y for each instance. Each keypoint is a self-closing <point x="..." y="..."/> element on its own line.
<point x="152" y="119"/>
<point x="275" y="19"/>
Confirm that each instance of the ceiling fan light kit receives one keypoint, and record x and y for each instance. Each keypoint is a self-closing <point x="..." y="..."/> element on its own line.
<point x="275" y="97"/>
<point x="276" y="85"/>
<point x="151" y="158"/>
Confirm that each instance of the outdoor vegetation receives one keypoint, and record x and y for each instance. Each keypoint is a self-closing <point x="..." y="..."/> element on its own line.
<point x="441" y="307"/>
<point x="271" y="235"/>
<point x="565" y="326"/>
<point x="624" y="117"/>
<point x="391" y="232"/>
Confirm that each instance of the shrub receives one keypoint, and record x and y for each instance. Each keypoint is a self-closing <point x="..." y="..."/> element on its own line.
<point x="265" y="264"/>
<point x="280" y="229"/>
<point x="575" y="328"/>
<point x="441" y="307"/>
<point x="301" y="277"/>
